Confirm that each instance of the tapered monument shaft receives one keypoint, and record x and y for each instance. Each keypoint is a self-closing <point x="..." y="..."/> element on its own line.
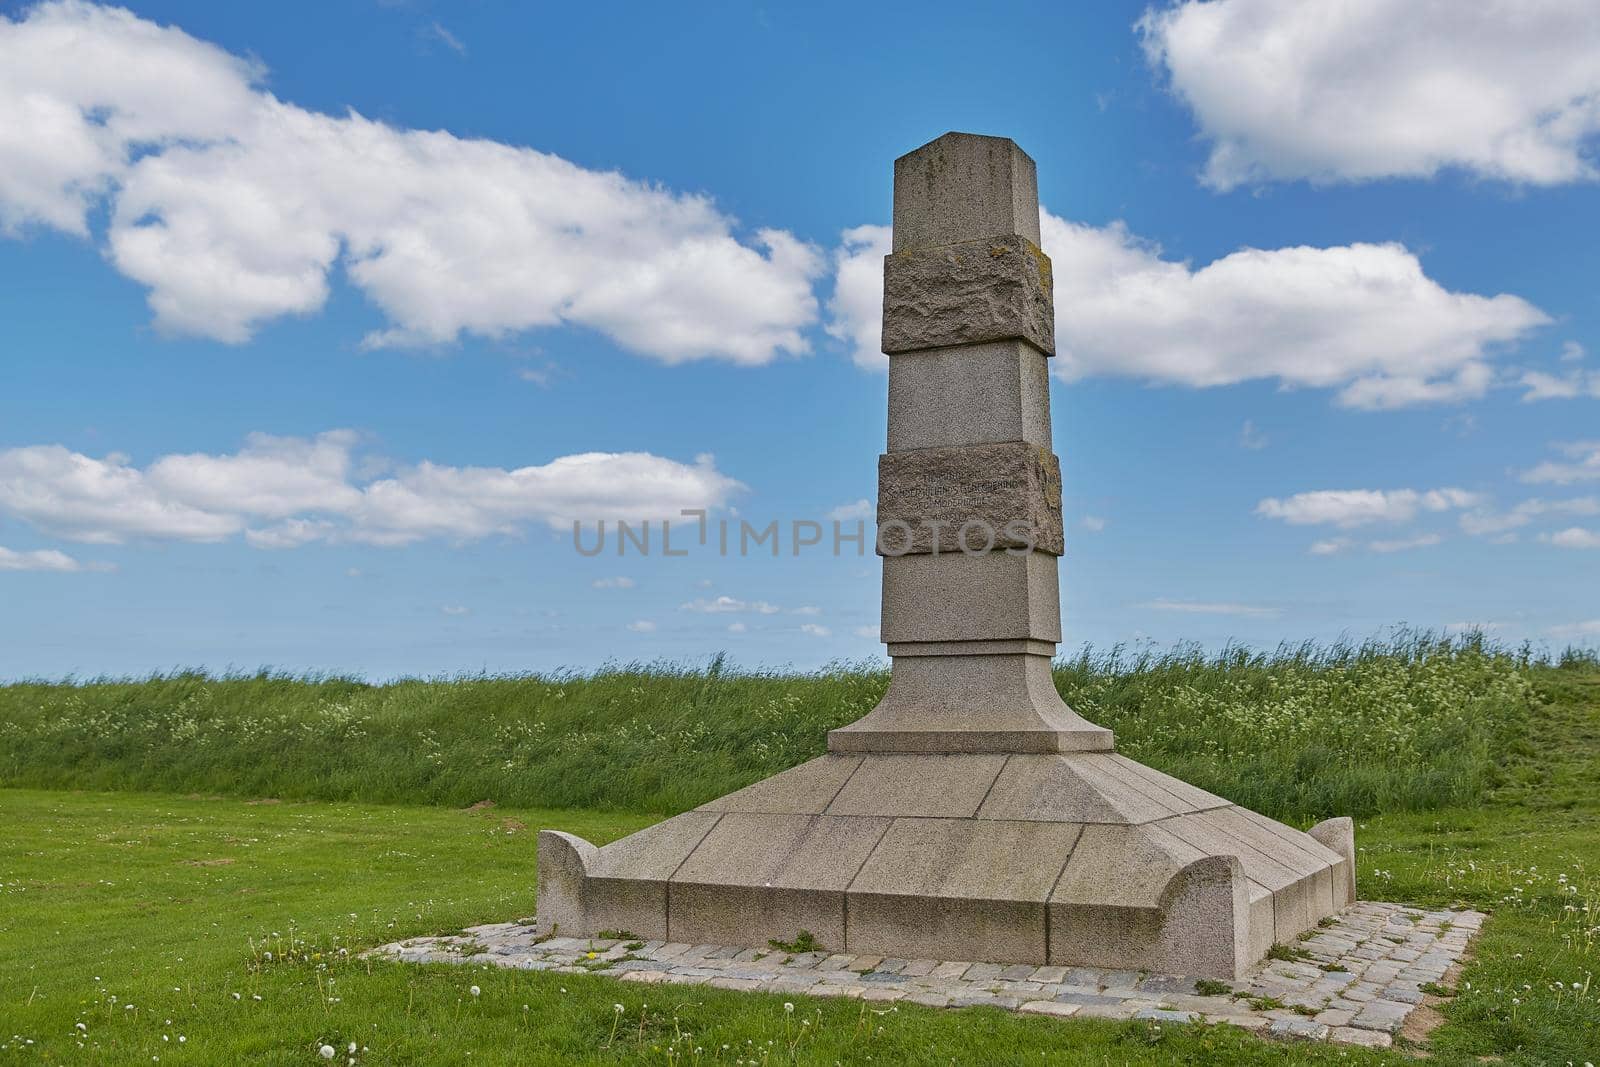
<point x="969" y="492"/>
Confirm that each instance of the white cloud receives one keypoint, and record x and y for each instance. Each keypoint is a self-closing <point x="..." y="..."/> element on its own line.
<point x="737" y="627"/>
<point x="1483" y="522"/>
<point x="1585" y="465"/>
<point x="449" y="40"/>
<point x="1362" y="319"/>
<point x="814" y="630"/>
<point x="1192" y="607"/>
<point x="1570" y="386"/>
<point x="1332" y="546"/>
<point x="1405" y="544"/>
<point x="1573" y="537"/>
<point x="1576" y="629"/>
<point x="234" y="208"/>
<point x="1092" y="523"/>
<point x="44" y="559"/>
<point x="1347" y="508"/>
<point x="642" y="626"/>
<point x="455" y="610"/>
<point x="1572" y="352"/>
<point x="807" y="609"/>
<point x="1353" y="90"/>
<point x="870" y="633"/>
<point x="281" y="492"/>
<point x="729" y="605"/>
<point x="852" y="512"/>
<point x="613" y="583"/>
<point x="855" y="311"/>
<point x="1250" y="437"/>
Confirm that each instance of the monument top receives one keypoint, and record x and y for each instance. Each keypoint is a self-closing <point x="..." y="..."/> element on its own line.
<point x="964" y="187"/>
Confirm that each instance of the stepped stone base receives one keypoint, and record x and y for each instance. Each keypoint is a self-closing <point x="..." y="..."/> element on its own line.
<point x="1076" y="859"/>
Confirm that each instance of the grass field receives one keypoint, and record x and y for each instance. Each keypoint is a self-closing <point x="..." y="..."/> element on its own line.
<point x="149" y="918"/>
<point x="1287" y="733"/>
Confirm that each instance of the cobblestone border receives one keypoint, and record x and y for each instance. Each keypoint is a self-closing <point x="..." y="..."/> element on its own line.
<point x="1353" y="980"/>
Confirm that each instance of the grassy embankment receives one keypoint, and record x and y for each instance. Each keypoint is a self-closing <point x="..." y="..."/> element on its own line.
<point x="150" y="918"/>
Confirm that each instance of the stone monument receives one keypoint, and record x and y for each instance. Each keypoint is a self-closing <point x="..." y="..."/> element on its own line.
<point x="972" y="815"/>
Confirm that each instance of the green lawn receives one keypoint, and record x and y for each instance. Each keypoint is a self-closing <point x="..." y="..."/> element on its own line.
<point x="148" y="918"/>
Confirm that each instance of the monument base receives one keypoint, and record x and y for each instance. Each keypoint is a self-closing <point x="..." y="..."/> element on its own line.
<point x="1080" y="859"/>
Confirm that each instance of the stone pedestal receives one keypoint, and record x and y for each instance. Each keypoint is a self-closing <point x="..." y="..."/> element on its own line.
<point x="972" y="815"/>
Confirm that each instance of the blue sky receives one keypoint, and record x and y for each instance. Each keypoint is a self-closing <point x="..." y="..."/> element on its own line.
<point x="322" y="321"/>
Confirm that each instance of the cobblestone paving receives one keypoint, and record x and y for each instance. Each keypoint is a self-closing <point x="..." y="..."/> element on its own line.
<point x="1354" y="980"/>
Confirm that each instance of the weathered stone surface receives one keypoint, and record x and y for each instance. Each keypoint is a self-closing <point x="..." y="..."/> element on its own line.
<point x="771" y="876"/>
<point x="1081" y="788"/>
<point x="972" y="498"/>
<point x="935" y="785"/>
<point x="953" y="888"/>
<point x="804" y="790"/>
<point x="973" y="395"/>
<point x="962" y="186"/>
<point x="993" y="289"/>
<point x="1339" y="836"/>
<point x="957" y="597"/>
<point x="1000" y="703"/>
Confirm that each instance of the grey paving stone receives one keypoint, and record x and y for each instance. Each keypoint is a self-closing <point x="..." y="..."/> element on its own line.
<point x="1349" y="1035"/>
<point x="1162" y="984"/>
<point x="1302" y="1028"/>
<point x="1085" y="999"/>
<point x="1353" y="1007"/>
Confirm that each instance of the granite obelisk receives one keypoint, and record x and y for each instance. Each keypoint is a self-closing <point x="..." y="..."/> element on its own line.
<point x="971" y="815"/>
<point x="969" y="492"/>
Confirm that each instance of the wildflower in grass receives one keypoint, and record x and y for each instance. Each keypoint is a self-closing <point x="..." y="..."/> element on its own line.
<point x="475" y="991"/>
<point x="326" y="1052"/>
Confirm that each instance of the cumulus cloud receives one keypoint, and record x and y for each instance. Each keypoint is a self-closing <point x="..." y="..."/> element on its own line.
<point x="1363" y="319"/>
<point x="1353" y="90"/>
<point x="43" y="559"/>
<point x="613" y="583"/>
<point x="1195" y="607"/>
<point x="814" y="630"/>
<point x="235" y="208"/>
<point x="1588" y="628"/>
<point x="642" y="626"/>
<point x="282" y="492"/>
<point x="1348" y="508"/>
<point x="855" y="311"/>
<point x="1581" y="464"/>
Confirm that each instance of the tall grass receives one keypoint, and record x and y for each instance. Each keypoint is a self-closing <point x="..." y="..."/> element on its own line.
<point x="1413" y="722"/>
